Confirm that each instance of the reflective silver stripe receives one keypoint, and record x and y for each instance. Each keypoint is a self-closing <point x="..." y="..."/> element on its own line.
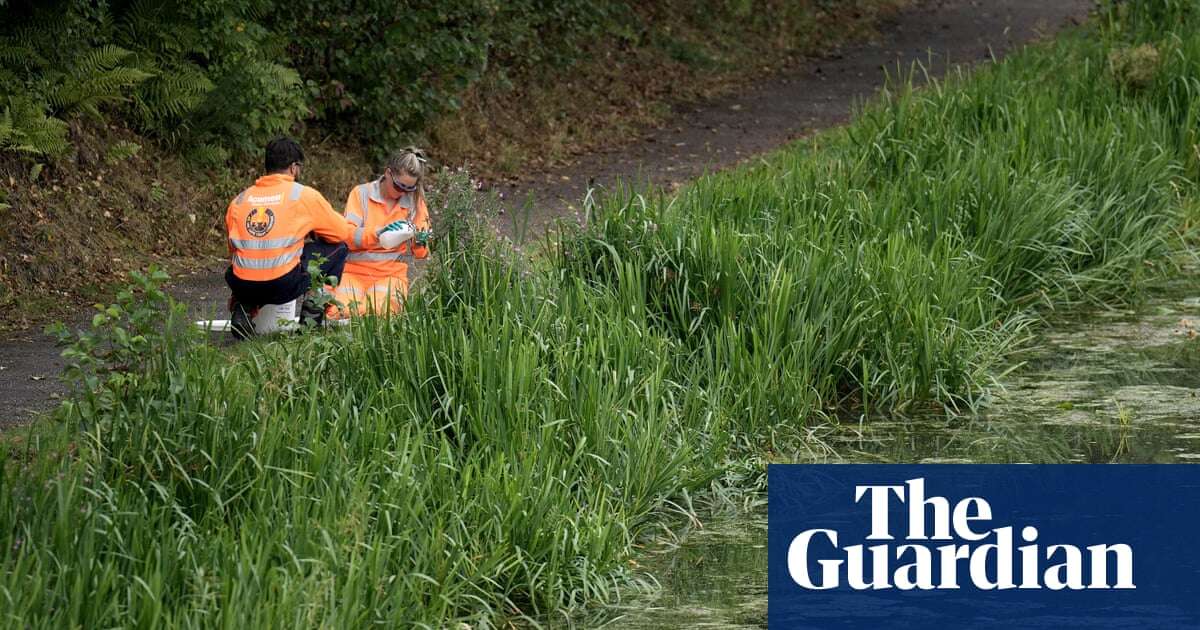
<point x="271" y="243"/>
<point x="358" y="237"/>
<point x="297" y="188"/>
<point x="354" y="218"/>
<point x="241" y="196"/>
<point x="373" y="190"/>
<point x="263" y="263"/>
<point x="371" y="257"/>
<point x="362" y="202"/>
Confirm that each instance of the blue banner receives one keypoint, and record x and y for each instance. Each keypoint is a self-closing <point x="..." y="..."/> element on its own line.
<point x="984" y="546"/>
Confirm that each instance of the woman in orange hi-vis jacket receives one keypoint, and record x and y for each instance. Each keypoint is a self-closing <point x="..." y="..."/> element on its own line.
<point x="375" y="278"/>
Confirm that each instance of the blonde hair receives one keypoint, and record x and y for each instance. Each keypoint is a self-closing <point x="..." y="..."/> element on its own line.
<point x="410" y="161"/>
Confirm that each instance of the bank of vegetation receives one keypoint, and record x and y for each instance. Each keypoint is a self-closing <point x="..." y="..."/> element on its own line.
<point x="125" y="126"/>
<point x="495" y="453"/>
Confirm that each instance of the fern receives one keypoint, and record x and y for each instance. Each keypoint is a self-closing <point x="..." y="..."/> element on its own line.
<point x="121" y="151"/>
<point x="97" y="77"/>
<point x="25" y="128"/>
<point x="207" y="155"/>
<point x="7" y="129"/>
<point x="13" y="54"/>
<point x="165" y="99"/>
<point x="166" y="41"/>
<point x="155" y="28"/>
<point x="201" y="75"/>
<point x="37" y="36"/>
<point x="100" y="60"/>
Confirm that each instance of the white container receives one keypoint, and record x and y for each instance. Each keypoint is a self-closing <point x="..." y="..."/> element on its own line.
<point x="271" y="318"/>
<point x="275" y="317"/>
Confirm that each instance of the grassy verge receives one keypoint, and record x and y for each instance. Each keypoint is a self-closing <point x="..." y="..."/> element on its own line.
<point x="495" y="454"/>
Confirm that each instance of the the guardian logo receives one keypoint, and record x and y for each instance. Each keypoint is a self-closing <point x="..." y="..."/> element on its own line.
<point x="946" y="546"/>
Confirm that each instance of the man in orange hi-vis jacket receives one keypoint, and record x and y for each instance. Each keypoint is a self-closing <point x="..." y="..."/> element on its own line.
<point x="376" y="274"/>
<point x="267" y="225"/>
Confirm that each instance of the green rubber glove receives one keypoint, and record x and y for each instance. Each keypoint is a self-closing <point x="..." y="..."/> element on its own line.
<point x="395" y="225"/>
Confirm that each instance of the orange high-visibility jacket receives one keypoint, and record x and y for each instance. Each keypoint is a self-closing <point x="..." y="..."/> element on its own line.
<point x="367" y="209"/>
<point x="268" y="222"/>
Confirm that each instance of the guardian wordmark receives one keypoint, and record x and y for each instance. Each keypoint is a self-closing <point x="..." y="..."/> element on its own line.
<point x="943" y="545"/>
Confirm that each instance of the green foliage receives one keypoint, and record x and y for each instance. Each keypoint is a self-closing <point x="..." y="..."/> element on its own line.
<point x="25" y="128"/>
<point x="170" y="96"/>
<point x="105" y="362"/>
<point x="157" y="193"/>
<point x="384" y="67"/>
<point x="121" y="151"/>
<point x="197" y="74"/>
<point x="208" y="154"/>
<point x="268" y="98"/>
<point x="1140" y="20"/>
<point x="54" y="68"/>
<point x="495" y="454"/>
<point x="317" y="299"/>
<point x="170" y="46"/>
<point x="219" y="77"/>
<point x="94" y="78"/>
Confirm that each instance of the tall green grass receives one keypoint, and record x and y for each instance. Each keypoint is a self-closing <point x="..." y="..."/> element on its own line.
<point x="495" y="453"/>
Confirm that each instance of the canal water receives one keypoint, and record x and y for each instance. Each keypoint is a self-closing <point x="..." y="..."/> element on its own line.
<point x="1099" y="386"/>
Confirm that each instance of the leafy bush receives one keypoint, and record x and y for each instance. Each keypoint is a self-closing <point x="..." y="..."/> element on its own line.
<point x="378" y="69"/>
<point x="218" y="77"/>
<point x="192" y="73"/>
<point x="126" y="339"/>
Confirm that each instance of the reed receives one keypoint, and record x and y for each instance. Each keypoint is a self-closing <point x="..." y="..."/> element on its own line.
<point x="494" y="454"/>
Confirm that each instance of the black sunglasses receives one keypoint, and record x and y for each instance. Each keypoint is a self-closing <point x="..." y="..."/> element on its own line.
<point x="402" y="187"/>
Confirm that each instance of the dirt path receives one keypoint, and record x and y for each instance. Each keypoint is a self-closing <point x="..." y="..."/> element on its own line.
<point x="701" y="138"/>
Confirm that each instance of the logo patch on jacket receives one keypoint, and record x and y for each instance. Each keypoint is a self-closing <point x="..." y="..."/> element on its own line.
<point x="260" y="221"/>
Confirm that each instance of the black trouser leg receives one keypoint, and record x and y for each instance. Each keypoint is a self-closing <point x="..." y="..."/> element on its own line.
<point x="243" y="304"/>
